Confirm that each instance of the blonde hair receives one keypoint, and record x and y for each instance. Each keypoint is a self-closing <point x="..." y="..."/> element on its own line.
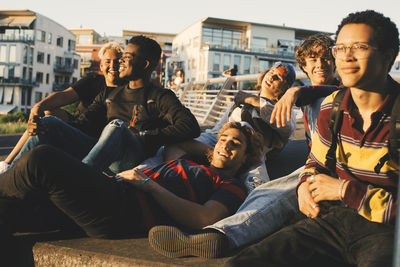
<point x="110" y="46"/>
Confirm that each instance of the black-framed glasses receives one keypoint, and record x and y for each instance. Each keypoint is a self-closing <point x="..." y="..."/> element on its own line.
<point x="358" y="50"/>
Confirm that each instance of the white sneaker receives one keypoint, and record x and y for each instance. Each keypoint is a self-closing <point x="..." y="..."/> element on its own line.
<point x="3" y="166"/>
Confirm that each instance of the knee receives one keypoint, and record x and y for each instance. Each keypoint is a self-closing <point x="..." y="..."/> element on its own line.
<point x="117" y="123"/>
<point x="50" y="120"/>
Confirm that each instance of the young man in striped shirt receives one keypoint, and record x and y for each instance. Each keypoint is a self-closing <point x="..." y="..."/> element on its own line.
<point x="350" y="218"/>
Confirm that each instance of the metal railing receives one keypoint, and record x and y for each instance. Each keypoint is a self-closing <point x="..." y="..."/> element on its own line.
<point x="208" y="100"/>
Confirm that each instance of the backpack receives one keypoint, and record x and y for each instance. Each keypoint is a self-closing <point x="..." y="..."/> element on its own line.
<point x="335" y="123"/>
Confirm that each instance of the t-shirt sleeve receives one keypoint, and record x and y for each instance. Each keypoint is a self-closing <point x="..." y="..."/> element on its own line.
<point x="89" y="87"/>
<point x="230" y="195"/>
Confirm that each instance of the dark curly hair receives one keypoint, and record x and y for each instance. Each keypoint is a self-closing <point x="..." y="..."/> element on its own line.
<point x="254" y="144"/>
<point x="386" y="34"/>
<point x="317" y="45"/>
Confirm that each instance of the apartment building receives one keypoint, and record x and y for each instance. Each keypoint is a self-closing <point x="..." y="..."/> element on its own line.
<point x="209" y="46"/>
<point x="37" y="57"/>
<point x="88" y="45"/>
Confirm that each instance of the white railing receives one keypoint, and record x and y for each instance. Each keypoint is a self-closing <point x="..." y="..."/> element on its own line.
<point x="208" y="100"/>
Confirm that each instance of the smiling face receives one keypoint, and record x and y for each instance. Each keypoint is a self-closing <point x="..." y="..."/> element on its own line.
<point x="230" y="151"/>
<point x="132" y="64"/>
<point x="319" y="67"/>
<point x="273" y="85"/>
<point x="109" y="66"/>
<point x="365" y="73"/>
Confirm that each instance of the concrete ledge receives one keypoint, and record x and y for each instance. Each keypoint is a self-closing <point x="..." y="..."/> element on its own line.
<point x="56" y="249"/>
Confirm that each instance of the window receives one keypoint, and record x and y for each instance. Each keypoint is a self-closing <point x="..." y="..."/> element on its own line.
<point x="39" y="77"/>
<point x="71" y="45"/>
<point x="58" y="61"/>
<point x="3" y="53"/>
<point x="246" y="67"/>
<point x="216" y="62"/>
<point x="76" y="64"/>
<point x="40" y="35"/>
<point x="84" y="39"/>
<point x="30" y="58"/>
<point x="24" y="73"/>
<point x="47" y="78"/>
<point x="60" y="41"/>
<point x="227" y="62"/>
<point x="23" y="96"/>
<point x="263" y="65"/>
<point x="74" y="80"/>
<point x="11" y="71"/>
<point x="13" y="53"/>
<point x="236" y="61"/>
<point x="25" y="55"/>
<point x="48" y="59"/>
<point x="259" y="44"/>
<point x="38" y="96"/>
<point x="40" y="57"/>
<point x="30" y="75"/>
<point x="9" y="95"/>
<point x="68" y="62"/>
<point x="219" y="37"/>
<point x="49" y="38"/>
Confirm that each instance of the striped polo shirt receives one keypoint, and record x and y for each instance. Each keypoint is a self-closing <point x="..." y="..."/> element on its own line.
<point x="373" y="194"/>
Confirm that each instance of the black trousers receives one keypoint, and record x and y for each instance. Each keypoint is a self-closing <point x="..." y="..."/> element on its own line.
<point x="47" y="179"/>
<point x="340" y="236"/>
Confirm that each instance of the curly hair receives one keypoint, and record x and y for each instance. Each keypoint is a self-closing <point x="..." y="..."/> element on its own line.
<point x="386" y="34"/>
<point x="254" y="143"/>
<point x="317" y="45"/>
<point x="260" y="79"/>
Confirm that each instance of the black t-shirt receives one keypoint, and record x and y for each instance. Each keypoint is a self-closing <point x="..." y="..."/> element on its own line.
<point x="87" y="89"/>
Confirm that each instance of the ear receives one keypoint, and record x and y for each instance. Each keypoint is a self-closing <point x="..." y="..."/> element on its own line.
<point x="147" y="64"/>
<point x="388" y="56"/>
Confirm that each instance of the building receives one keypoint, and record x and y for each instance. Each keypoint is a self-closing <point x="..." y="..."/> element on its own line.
<point x="209" y="46"/>
<point x="165" y="41"/>
<point x="37" y="57"/>
<point x="88" y="45"/>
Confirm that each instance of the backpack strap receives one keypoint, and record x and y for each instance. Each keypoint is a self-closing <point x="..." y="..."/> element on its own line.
<point x="394" y="137"/>
<point x="394" y="141"/>
<point x="335" y="123"/>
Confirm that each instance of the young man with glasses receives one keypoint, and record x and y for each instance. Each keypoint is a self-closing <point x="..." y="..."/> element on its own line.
<point x="350" y="218"/>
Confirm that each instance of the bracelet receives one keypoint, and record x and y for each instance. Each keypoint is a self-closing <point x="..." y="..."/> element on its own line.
<point x="141" y="185"/>
<point x="341" y="189"/>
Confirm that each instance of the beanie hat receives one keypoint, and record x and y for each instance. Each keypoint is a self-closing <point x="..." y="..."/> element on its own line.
<point x="287" y="71"/>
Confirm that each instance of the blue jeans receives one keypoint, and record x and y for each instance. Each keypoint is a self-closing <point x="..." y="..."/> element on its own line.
<point x="117" y="149"/>
<point x="266" y="209"/>
<point x="61" y="135"/>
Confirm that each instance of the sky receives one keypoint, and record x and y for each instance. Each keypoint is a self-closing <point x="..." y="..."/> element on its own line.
<point x="172" y="16"/>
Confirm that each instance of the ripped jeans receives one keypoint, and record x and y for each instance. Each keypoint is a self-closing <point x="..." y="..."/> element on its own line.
<point x="117" y="149"/>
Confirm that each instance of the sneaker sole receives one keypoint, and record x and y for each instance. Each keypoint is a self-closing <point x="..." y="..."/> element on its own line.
<point x="171" y="242"/>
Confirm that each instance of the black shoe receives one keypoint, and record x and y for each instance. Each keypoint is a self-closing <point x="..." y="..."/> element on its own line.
<point x="172" y="242"/>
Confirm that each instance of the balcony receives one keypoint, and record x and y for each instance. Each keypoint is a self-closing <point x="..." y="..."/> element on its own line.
<point x="61" y="68"/>
<point x="16" y="81"/>
<point x="272" y="53"/>
<point x="28" y="39"/>
<point x="60" y="86"/>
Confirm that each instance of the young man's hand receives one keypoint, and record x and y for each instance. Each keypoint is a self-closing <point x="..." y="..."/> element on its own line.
<point x="307" y="205"/>
<point x="283" y="108"/>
